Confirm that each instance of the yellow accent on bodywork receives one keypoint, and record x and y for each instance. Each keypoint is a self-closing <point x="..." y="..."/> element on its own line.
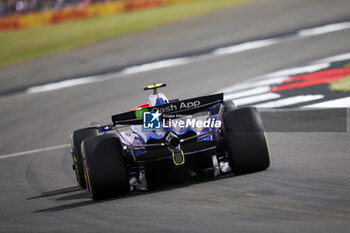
<point x="154" y="85"/>
<point x="75" y="162"/>
<point x="86" y="171"/>
<point x="71" y="139"/>
<point x="183" y="158"/>
<point x="77" y="175"/>
<point x="267" y="144"/>
<point x="88" y="178"/>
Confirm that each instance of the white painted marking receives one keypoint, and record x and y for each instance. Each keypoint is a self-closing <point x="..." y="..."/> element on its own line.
<point x="155" y="66"/>
<point x="289" y="101"/>
<point x="34" y="151"/>
<point x="337" y="103"/>
<point x="246" y="85"/>
<point x="61" y="85"/>
<point x="324" y="29"/>
<point x="244" y="47"/>
<point x="256" y="99"/>
<point x="245" y="93"/>
<point x="274" y="78"/>
<point x="187" y="60"/>
<point x="336" y="58"/>
<point x="270" y="81"/>
<point x="99" y="78"/>
<point x="298" y="70"/>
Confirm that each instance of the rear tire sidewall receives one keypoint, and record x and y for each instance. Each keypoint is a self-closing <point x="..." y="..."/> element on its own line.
<point x="229" y="106"/>
<point x="77" y="138"/>
<point x="105" y="170"/>
<point x="246" y="141"/>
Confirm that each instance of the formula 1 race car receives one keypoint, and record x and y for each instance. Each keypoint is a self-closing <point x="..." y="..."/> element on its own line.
<point x="167" y="141"/>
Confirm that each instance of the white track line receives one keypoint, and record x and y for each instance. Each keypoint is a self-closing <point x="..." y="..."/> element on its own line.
<point x="62" y="84"/>
<point x="289" y="101"/>
<point x="298" y="70"/>
<point x="274" y="78"/>
<point x="245" y="47"/>
<point x="256" y="99"/>
<point x="337" y="103"/>
<point x="324" y="29"/>
<point x="252" y="83"/>
<point x="156" y="65"/>
<point x="250" y="92"/>
<point x="250" y="45"/>
<point x="336" y="58"/>
<point x="34" y="151"/>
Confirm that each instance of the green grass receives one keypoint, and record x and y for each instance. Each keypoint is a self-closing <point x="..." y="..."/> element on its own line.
<point x="25" y="45"/>
<point x="341" y="85"/>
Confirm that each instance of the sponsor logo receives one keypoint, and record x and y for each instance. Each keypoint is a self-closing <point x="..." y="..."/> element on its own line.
<point x="161" y="117"/>
<point x="192" y="122"/>
<point x="176" y="107"/>
<point x="151" y="120"/>
<point x="139" y="112"/>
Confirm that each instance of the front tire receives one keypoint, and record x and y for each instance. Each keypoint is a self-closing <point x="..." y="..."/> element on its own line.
<point x="105" y="169"/>
<point x="77" y="137"/>
<point x="246" y="141"/>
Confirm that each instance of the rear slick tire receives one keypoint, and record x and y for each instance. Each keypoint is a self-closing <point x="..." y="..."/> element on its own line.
<point x="77" y="137"/>
<point x="246" y="141"/>
<point x="105" y="171"/>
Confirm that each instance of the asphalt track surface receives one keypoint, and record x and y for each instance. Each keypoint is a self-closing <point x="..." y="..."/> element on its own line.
<point x="306" y="188"/>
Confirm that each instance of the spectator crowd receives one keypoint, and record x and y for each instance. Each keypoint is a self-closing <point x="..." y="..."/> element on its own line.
<point x="8" y="7"/>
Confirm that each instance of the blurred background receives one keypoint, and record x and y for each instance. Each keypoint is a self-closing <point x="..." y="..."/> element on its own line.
<point x="8" y="7"/>
<point x="64" y="63"/>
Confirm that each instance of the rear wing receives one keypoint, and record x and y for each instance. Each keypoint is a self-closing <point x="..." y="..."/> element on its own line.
<point x="184" y="107"/>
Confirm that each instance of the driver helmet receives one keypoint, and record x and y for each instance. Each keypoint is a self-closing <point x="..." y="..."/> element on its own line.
<point x="157" y="99"/>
